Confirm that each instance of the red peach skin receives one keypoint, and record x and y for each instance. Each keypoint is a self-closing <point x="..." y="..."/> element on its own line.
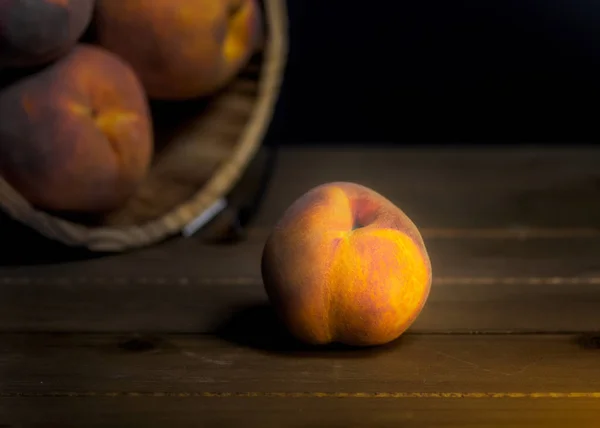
<point x="345" y="265"/>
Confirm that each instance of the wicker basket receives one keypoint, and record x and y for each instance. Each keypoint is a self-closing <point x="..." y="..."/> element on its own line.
<point x="202" y="148"/>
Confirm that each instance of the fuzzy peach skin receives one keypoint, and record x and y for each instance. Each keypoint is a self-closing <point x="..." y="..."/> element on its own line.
<point x="345" y="265"/>
<point x="180" y="48"/>
<point x="35" y="32"/>
<point x="76" y="136"/>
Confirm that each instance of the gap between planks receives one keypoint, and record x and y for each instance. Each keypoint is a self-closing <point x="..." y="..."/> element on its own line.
<point x="254" y="281"/>
<point x="258" y="394"/>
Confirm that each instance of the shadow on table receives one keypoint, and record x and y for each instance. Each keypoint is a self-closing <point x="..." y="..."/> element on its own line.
<point x="257" y="326"/>
<point x="22" y="246"/>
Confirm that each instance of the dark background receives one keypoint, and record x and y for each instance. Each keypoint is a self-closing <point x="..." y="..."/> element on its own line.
<point x="493" y="71"/>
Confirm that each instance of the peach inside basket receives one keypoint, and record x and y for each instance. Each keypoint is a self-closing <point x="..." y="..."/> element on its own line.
<point x="201" y="150"/>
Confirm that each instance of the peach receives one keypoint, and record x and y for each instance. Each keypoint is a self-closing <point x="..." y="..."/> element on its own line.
<point x="35" y="32"/>
<point x="345" y="265"/>
<point x="180" y="48"/>
<point x="76" y="135"/>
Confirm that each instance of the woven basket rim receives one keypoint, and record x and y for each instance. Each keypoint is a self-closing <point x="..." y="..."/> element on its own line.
<point x="106" y="238"/>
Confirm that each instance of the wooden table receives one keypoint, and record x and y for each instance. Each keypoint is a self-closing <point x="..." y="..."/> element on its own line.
<point x="181" y="334"/>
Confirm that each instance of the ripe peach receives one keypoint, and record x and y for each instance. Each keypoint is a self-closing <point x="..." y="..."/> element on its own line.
<point x="345" y="265"/>
<point x="34" y="32"/>
<point x="180" y="48"/>
<point x="76" y="135"/>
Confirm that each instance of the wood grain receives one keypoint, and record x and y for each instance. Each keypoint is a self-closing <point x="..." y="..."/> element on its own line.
<point x="458" y="187"/>
<point x="186" y="286"/>
<point x="174" y="380"/>
<point x="198" y="307"/>
<point x="513" y="237"/>
<point x="297" y="413"/>
<point x="190" y="258"/>
<point x="88" y="365"/>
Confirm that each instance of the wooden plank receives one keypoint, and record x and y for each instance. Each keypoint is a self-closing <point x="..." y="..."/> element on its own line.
<point x="554" y="305"/>
<point x="496" y="187"/>
<point x="179" y="380"/>
<point x="174" y="412"/>
<point x="485" y="192"/>
<point x="483" y="285"/>
<point x="297" y="412"/>
<point x="47" y="365"/>
<point x="451" y="257"/>
<point x="542" y="275"/>
<point x="182" y="257"/>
